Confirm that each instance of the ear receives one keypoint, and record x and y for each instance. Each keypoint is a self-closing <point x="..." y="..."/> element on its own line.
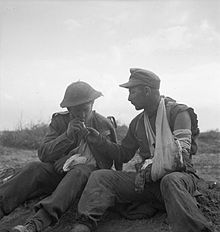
<point x="147" y="90"/>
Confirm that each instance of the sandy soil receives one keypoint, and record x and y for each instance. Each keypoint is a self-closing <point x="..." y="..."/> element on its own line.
<point x="13" y="159"/>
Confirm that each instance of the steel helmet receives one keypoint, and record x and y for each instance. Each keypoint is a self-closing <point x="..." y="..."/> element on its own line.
<point x="79" y="93"/>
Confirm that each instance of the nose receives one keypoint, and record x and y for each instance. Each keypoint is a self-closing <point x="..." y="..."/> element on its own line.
<point x="81" y="116"/>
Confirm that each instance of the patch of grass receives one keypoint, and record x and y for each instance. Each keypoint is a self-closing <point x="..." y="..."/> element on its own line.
<point x="207" y="166"/>
<point x="31" y="137"/>
<point x="27" y="138"/>
<point x="209" y="142"/>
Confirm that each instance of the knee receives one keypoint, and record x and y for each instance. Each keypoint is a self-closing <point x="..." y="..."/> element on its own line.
<point x="37" y="166"/>
<point x="78" y="172"/>
<point x="98" y="181"/>
<point x="33" y="166"/>
<point x="169" y="181"/>
<point x="37" y="169"/>
<point x="100" y="175"/>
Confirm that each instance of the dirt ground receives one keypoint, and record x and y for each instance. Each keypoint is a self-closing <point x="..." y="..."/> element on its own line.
<point x="208" y="166"/>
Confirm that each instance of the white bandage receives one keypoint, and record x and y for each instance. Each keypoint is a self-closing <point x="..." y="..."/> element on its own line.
<point x="184" y="138"/>
<point x="146" y="163"/>
<point x="72" y="161"/>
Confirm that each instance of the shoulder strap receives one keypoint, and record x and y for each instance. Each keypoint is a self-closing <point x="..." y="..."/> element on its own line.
<point x="60" y="113"/>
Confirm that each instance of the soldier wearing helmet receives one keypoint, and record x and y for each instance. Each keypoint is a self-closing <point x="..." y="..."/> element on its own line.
<point x="67" y="158"/>
<point x="79" y="93"/>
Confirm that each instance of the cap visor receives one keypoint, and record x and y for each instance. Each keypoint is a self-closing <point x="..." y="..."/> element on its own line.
<point x="126" y="85"/>
<point x="132" y="83"/>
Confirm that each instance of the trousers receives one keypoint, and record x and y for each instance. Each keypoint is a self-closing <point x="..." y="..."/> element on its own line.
<point x="37" y="179"/>
<point x="107" y="187"/>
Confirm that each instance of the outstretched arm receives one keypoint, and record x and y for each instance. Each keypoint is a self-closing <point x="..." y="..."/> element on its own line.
<point x="119" y="153"/>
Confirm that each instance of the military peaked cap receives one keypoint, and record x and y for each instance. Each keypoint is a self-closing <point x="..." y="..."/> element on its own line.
<point x="142" y="77"/>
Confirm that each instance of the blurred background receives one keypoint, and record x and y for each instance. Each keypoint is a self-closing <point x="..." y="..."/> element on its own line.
<point x="46" y="45"/>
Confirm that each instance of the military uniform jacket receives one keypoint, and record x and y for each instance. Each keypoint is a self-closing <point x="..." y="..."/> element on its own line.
<point x="136" y="140"/>
<point x="56" y="144"/>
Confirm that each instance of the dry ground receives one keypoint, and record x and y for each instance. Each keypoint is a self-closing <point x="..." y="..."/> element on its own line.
<point x="208" y="166"/>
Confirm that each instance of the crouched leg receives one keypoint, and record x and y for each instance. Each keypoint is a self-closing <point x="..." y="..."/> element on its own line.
<point x="103" y="189"/>
<point x="33" y="180"/>
<point x="65" y="194"/>
<point x="97" y="196"/>
<point x="183" y="213"/>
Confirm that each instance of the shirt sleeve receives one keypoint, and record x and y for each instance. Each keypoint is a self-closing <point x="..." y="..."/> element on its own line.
<point x="120" y="153"/>
<point x="55" y="144"/>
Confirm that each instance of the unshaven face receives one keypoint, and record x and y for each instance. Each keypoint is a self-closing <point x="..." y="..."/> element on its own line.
<point x="137" y="97"/>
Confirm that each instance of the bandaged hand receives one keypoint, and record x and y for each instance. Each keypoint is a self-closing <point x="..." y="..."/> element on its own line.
<point x="93" y="135"/>
<point x="178" y="164"/>
<point x="72" y="161"/>
<point x="58" y="165"/>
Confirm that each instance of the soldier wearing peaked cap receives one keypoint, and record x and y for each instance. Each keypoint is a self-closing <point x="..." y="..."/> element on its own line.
<point x="67" y="158"/>
<point x="164" y="133"/>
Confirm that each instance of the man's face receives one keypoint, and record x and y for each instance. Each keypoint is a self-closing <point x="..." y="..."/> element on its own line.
<point x="81" y="112"/>
<point x="137" y="97"/>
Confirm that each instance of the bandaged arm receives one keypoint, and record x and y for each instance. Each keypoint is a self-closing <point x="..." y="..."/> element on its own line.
<point x="182" y="132"/>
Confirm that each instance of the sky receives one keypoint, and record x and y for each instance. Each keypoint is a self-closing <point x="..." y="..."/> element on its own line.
<point x="47" y="45"/>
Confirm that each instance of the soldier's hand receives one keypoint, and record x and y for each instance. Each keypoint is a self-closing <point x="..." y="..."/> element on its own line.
<point x="93" y="135"/>
<point x="58" y="165"/>
<point x="73" y="128"/>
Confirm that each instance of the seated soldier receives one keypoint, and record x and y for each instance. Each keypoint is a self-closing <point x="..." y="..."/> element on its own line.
<point x="164" y="133"/>
<point x="57" y="175"/>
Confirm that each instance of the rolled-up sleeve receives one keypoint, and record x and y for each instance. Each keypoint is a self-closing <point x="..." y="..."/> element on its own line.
<point x="183" y="123"/>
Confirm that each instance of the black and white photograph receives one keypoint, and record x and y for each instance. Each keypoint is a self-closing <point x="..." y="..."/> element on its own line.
<point x="109" y="116"/>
